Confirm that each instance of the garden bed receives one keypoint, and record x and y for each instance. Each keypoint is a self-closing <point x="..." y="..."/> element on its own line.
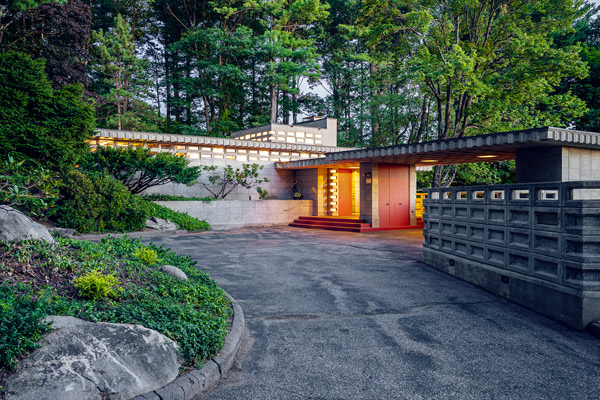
<point x="37" y="280"/>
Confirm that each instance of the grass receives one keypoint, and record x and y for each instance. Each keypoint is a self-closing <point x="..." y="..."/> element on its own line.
<point x="168" y="197"/>
<point x="37" y="280"/>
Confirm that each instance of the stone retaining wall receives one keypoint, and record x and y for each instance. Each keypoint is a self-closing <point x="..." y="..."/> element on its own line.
<point x="230" y="214"/>
<point x="536" y="244"/>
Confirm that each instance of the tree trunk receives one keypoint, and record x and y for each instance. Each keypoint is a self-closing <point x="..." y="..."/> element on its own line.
<point x="274" y="106"/>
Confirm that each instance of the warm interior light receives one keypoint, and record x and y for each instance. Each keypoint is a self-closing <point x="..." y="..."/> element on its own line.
<point x="488" y="156"/>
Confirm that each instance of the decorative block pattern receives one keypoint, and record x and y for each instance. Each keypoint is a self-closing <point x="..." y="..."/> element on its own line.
<point x="545" y="231"/>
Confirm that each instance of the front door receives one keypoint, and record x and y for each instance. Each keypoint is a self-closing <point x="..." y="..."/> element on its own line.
<point x="394" y="195"/>
<point x="345" y="191"/>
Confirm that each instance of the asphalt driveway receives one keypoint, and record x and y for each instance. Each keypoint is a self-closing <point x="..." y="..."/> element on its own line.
<point x="335" y="315"/>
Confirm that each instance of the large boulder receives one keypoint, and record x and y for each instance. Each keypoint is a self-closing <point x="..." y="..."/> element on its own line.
<point x="82" y="360"/>
<point x="14" y="225"/>
<point x="160" y="224"/>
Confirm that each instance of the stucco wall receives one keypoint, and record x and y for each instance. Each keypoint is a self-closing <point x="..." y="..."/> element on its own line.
<point x="229" y="214"/>
<point x="278" y="185"/>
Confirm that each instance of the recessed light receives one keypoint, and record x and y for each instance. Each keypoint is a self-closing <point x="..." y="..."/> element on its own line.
<point x="488" y="156"/>
<point x="429" y="161"/>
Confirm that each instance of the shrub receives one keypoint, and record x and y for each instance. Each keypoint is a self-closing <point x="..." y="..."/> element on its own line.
<point x="98" y="203"/>
<point x="37" y="122"/>
<point x="96" y="286"/>
<point x="262" y="193"/>
<point x="246" y="176"/>
<point x="146" y="256"/>
<point x="138" y="169"/>
<point x="30" y="189"/>
<point x="21" y="327"/>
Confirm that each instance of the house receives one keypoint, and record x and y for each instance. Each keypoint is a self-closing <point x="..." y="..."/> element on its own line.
<point x="536" y="242"/>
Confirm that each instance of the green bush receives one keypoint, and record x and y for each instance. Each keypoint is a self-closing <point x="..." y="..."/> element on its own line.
<point x="33" y="190"/>
<point x="139" y="169"/>
<point x="99" y="203"/>
<point x="21" y="327"/>
<point x="96" y="286"/>
<point x="37" y="122"/>
<point x="182" y="220"/>
<point x="146" y="256"/>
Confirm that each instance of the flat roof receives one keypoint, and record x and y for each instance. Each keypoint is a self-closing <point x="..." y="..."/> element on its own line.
<point x="472" y="149"/>
<point x="211" y="141"/>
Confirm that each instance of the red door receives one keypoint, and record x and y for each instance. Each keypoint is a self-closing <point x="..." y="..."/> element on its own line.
<point x="384" y="195"/>
<point x="345" y="191"/>
<point x="394" y="195"/>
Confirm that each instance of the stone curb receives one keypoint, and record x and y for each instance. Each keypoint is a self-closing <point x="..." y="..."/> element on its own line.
<point x="193" y="383"/>
<point x="594" y="329"/>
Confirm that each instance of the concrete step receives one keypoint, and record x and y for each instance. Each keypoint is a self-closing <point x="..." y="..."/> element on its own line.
<point x="326" y="227"/>
<point x="331" y="219"/>
<point x="333" y="223"/>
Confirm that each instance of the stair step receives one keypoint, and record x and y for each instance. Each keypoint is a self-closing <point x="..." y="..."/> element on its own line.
<point x="333" y="223"/>
<point x="330" y="219"/>
<point x="326" y="227"/>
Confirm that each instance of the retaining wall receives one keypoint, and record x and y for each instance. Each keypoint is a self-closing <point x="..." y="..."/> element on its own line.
<point x="536" y="244"/>
<point x="230" y="214"/>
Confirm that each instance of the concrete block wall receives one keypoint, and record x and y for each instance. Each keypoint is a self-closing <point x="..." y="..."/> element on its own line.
<point x="536" y="244"/>
<point x="555" y="164"/>
<point x="314" y="184"/>
<point x="231" y="214"/>
<point x="278" y="185"/>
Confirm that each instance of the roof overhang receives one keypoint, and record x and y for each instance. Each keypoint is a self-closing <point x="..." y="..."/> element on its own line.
<point x="474" y="149"/>
<point x="210" y="141"/>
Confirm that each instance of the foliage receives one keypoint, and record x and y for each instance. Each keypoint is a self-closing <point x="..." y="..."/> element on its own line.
<point x="37" y="122"/>
<point x="57" y="31"/>
<point x="21" y="328"/>
<point x="99" y="203"/>
<point x="30" y="189"/>
<point x="495" y="173"/>
<point x="138" y="169"/>
<point x="168" y="197"/>
<point x="262" y="193"/>
<point x="121" y="71"/>
<point x="246" y="176"/>
<point x="194" y="313"/>
<point x="182" y="220"/>
<point x="146" y="256"/>
<point x="96" y="286"/>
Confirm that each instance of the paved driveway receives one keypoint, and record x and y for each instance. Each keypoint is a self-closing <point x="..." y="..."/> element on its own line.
<point x="357" y="316"/>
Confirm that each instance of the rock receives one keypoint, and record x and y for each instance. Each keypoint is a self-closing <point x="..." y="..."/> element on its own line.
<point x="92" y="361"/>
<point x="160" y="224"/>
<point x="174" y="271"/>
<point x="63" y="232"/>
<point x="14" y="225"/>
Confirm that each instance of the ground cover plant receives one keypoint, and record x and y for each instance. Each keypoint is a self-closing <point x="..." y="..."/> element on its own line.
<point x="168" y="197"/>
<point x="108" y="281"/>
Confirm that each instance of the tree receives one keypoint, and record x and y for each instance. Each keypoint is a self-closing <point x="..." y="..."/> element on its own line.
<point x="37" y="122"/>
<point x="290" y="52"/>
<point x="122" y="71"/>
<point x="58" y="32"/>
<point x="488" y="65"/>
<point x="246" y="176"/>
<point x="11" y="8"/>
<point x="138" y="169"/>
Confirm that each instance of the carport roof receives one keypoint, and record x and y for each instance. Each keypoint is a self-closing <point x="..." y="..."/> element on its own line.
<point x="483" y="148"/>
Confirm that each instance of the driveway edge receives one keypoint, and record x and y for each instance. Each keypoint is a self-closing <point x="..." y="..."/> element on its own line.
<point x="190" y="385"/>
